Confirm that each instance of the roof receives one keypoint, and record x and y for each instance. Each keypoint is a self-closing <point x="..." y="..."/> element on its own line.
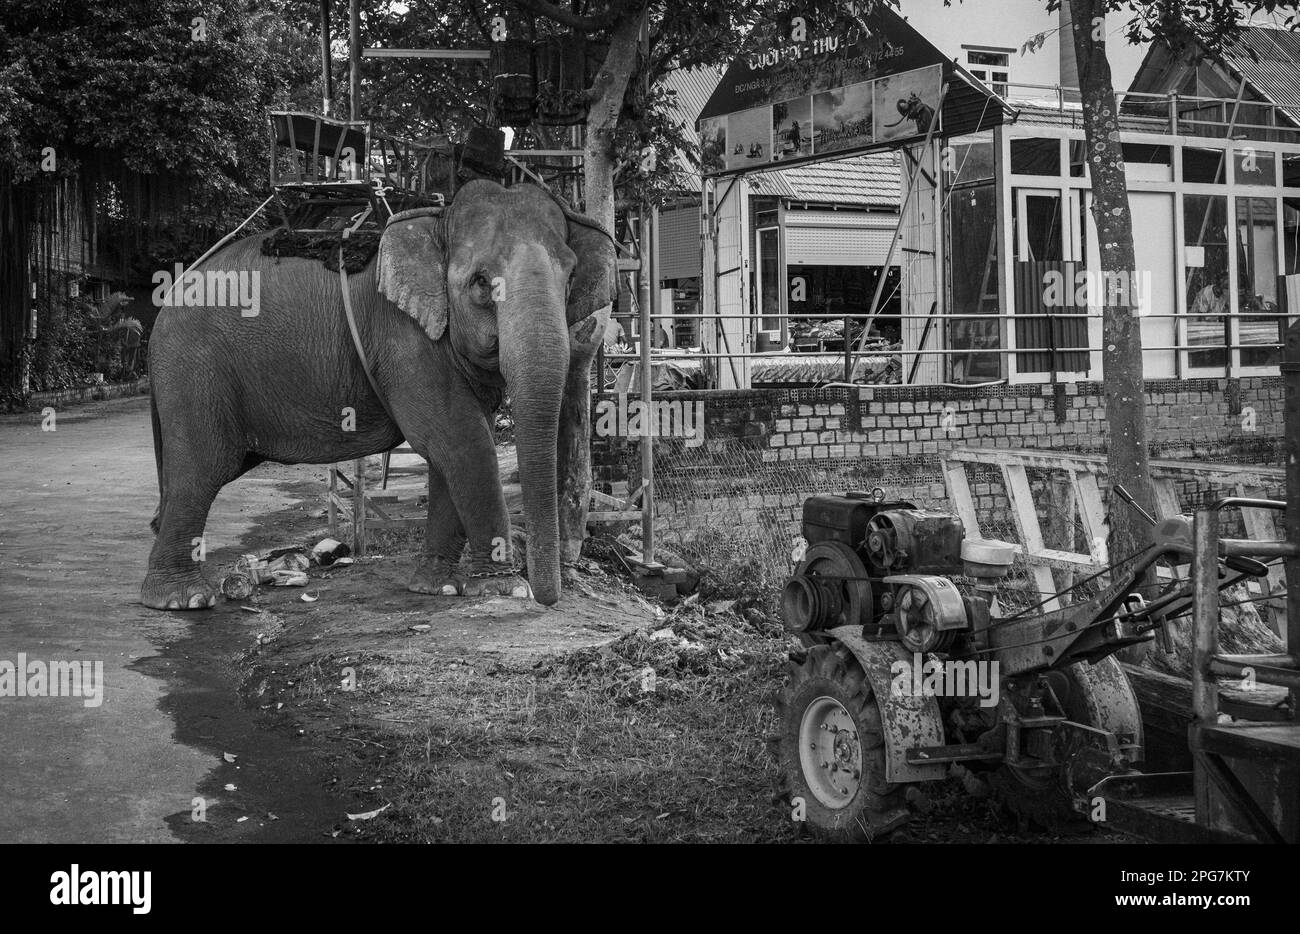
<point x="872" y="181"/>
<point x="1269" y="59"/>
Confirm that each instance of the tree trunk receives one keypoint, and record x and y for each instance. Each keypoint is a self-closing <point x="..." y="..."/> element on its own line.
<point x="599" y="160"/>
<point x="1121" y="355"/>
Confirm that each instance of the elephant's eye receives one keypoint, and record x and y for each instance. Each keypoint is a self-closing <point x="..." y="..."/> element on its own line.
<point x="482" y="287"/>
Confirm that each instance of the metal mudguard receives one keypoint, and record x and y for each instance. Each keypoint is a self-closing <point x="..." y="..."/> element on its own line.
<point x="907" y="721"/>
<point x="1111" y="704"/>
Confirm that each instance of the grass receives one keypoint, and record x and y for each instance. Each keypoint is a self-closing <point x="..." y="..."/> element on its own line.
<point x="657" y="737"/>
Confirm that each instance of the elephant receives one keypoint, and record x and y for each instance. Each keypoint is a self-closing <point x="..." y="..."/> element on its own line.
<point x="500" y="292"/>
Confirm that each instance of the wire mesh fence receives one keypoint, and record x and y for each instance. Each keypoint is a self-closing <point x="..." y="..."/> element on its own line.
<point x="736" y="508"/>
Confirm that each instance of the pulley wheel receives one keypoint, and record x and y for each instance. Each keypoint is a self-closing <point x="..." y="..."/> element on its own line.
<point x="837" y="560"/>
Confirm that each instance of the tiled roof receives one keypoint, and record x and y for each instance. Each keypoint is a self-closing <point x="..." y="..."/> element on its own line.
<point x="866" y="181"/>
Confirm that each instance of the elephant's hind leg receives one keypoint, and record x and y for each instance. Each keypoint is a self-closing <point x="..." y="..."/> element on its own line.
<point x="175" y="578"/>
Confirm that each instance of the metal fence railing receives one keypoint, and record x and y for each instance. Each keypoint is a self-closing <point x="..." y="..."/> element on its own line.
<point x="841" y="360"/>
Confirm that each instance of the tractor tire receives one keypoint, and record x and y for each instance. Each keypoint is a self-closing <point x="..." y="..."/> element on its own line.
<point x="832" y="751"/>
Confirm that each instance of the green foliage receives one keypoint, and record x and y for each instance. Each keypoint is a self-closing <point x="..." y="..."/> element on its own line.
<point x="66" y="348"/>
<point x="127" y="85"/>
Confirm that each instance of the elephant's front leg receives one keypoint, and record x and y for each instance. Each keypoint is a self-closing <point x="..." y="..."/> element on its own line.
<point x="574" y="461"/>
<point x="438" y="570"/>
<point x="474" y="501"/>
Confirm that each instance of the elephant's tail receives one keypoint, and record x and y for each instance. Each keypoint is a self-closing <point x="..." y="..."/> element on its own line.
<point x="157" y="456"/>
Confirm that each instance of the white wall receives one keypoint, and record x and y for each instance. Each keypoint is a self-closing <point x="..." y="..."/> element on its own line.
<point x="1010" y="24"/>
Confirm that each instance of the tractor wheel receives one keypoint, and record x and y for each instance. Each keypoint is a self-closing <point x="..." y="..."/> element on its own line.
<point x="1046" y="798"/>
<point x="832" y="749"/>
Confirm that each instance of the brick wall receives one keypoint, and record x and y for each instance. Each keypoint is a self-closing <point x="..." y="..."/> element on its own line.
<point x="764" y="451"/>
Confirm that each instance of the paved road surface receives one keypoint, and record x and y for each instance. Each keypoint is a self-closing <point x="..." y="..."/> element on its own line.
<point x="74" y="510"/>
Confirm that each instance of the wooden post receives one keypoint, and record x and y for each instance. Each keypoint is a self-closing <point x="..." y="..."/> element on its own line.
<point x="1205" y="638"/>
<point x="359" y="506"/>
<point x="333" y="507"/>
<point x="647" y="380"/>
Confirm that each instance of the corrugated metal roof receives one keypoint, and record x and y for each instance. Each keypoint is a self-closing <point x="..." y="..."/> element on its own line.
<point x="1274" y="68"/>
<point x="864" y="181"/>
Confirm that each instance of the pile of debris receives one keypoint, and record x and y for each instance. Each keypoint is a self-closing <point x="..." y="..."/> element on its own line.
<point x="281" y="567"/>
<point x="679" y="654"/>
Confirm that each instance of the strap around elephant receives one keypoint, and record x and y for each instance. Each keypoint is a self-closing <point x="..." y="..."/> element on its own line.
<point x="356" y="335"/>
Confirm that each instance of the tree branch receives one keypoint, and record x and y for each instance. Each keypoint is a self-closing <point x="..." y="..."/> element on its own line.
<point x="560" y="15"/>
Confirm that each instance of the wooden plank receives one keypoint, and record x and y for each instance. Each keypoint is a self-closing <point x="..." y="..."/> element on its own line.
<point x="959" y="493"/>
<point x="1092" y="515"/>
<point x="1061" y="521"/>
<point x="1167" y="506"/>
<point x="1261" y="527"/>
<point x="1022" y="506"/>
<point x="1251" y="474"/>
<point x="1031" y="536"/>
<point x="1066" y="560"/>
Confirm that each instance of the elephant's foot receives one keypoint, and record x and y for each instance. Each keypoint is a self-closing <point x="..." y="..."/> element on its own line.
<point x="496" y="585"/>
<point x="187" y="592"/>
<point x="435" y="576"/>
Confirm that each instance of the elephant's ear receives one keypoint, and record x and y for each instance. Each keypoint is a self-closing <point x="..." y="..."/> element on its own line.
<point x="412" y="271"/>
<point x="593" y="285"/>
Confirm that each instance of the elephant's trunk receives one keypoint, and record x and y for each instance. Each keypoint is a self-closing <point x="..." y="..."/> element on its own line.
<point x="535" y="362"/>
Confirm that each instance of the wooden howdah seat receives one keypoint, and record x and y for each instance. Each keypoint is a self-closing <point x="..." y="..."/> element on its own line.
<point x="347" y="175"/>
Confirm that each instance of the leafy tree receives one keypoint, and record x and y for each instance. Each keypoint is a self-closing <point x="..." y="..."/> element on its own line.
<point x="1193" y="28"/>
<point x="158" y="118"/>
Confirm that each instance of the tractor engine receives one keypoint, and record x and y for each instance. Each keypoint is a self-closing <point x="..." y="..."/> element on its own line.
<point x="887" y="566"/>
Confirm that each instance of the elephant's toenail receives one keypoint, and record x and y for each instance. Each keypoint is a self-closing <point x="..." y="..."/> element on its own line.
<point x="519" y="592"/>
<point x="173" y="604"/>
<point x="448" y="590"/>
<point x="198" y="601"/>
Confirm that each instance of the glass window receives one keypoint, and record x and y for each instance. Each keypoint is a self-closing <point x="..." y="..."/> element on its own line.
<point x="1036" y="156"/>
<point x="1257" y="281"/>
<point x="839" y="291"/>
<point x="1291" y="236"/>
<point x="1291" y="170"/>
<point x="973" y="274"/>
<point x="1254" y="168"/>
<point x="1205" y="236"/>
<point x="1078" y="158"/>
<point x="969" y="161"/>
<point x="1204" y="166"/>
<point x="991" y="67"/>
<point x="1148" y="162"/>
<point x="769" y="279"/>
